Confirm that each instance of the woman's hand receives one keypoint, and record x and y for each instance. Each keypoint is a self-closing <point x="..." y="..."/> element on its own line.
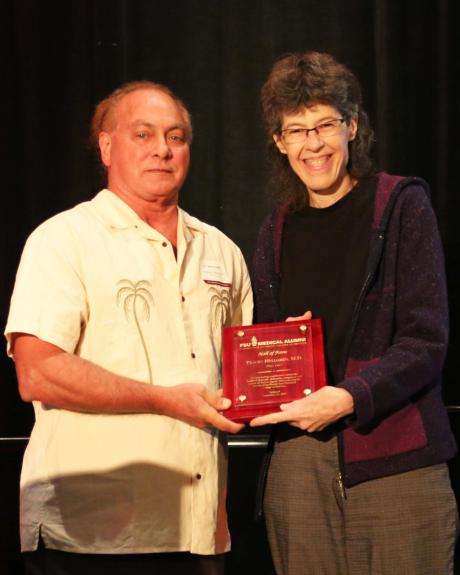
<point x="306" y="316"/>
<point x="312" y="413"/>
<point x="315" y="412"/>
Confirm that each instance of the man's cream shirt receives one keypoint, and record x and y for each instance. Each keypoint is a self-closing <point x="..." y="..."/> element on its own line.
<point x="99" y="282"/>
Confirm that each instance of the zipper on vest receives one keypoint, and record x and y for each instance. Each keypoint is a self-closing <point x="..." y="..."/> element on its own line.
<point x="342" y="489"/>
<point x="374" y="259"/>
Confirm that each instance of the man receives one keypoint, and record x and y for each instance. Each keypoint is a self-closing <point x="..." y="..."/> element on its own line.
<point x="115" y="330"/>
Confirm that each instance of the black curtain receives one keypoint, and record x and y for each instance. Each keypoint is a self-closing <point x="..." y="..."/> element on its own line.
<point x="60" y="58"/>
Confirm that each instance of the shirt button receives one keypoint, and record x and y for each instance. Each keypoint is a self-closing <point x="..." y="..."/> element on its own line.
<point x="183" y="298"/>
<point x="164" y="244"/>
<point x="198" y="475"/>
<point x="193" y="355"/>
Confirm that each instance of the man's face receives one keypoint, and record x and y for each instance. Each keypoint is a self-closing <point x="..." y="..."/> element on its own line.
<point x="146" y="147"/>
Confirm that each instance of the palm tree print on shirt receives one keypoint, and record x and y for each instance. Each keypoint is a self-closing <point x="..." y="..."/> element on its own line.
<point x="220" y="307"/>
<point x="137" y="300"/>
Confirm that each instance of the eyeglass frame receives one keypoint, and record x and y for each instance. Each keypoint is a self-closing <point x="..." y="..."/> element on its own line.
<point x="306" y="131"/>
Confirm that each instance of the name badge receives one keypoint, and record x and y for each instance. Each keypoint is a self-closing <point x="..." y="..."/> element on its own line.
<point x="213" y="273"/>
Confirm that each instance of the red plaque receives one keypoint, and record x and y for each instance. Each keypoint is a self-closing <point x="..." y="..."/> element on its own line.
<point x="268" y="364"/>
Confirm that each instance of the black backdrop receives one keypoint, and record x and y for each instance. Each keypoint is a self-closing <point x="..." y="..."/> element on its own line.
<point x="59" y="58"/>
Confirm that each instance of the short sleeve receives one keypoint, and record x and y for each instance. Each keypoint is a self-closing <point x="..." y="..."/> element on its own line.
<point x="49" y="299"/>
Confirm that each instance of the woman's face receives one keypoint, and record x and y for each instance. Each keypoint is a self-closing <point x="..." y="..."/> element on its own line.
<point x="320" y="161"/>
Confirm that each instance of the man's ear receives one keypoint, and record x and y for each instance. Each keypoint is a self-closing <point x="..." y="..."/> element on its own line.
<point x="105" y="146"/>
<point x="279" y="143"/>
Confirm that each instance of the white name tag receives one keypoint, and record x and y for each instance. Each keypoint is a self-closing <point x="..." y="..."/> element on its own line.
<point x="214" y="274"/>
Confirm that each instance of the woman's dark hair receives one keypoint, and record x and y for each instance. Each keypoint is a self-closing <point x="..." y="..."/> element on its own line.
<point x="297" y="81"/>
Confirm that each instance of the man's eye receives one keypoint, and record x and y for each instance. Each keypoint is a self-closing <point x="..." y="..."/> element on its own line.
<point x="141" y="135"/>
<point x="176" y="138"/>
<point x="326" y="126"/>
<point x="295" y="131"/>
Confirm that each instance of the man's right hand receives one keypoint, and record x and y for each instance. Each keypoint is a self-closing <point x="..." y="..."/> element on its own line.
<point x="196" y="405"/>
<point x="63" y="380"/>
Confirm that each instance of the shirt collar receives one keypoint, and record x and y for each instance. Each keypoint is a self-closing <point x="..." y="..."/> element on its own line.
<point x="117" y="214"/>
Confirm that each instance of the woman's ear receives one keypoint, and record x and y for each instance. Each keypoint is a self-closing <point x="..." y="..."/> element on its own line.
<point x="352" y="128"/>
<point x="279" y="143"/>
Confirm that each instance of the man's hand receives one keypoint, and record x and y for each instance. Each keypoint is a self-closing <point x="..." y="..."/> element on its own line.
<point x="312" y="413"/>
<point x="196" y="405"/>
<point x="62" y="380"/>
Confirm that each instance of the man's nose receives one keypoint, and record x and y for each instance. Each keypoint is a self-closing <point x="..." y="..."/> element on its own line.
<point x="160" y="147"/>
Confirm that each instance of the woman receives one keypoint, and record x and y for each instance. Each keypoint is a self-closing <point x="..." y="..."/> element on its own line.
<point x="357" y="482"/>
